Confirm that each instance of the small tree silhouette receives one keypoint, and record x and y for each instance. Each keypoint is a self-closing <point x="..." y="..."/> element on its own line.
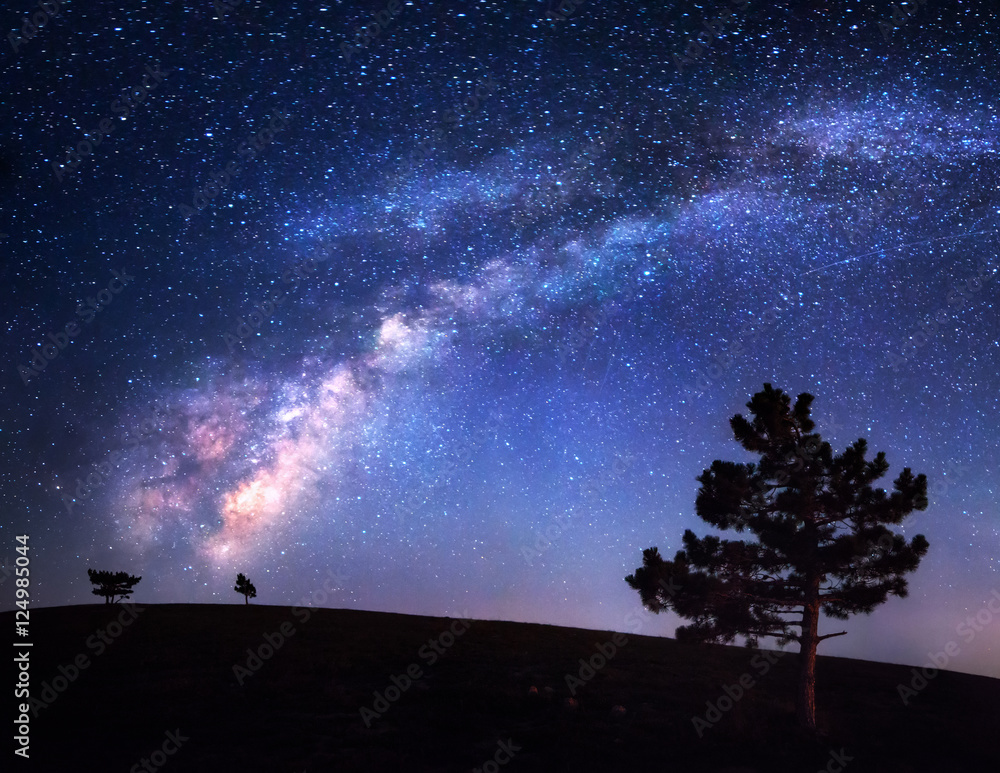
<point x="244" y="586"/>
<point x="111" y="584"/>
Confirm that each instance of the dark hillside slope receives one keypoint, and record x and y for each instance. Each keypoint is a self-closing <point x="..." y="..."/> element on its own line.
<point x="171" y="670"/>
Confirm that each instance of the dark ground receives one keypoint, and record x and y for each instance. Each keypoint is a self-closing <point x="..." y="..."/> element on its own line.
<point x="172" y="670"/>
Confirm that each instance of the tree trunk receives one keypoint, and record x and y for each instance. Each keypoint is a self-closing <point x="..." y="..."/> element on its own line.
<point x="805" y="703"/>
<point x="246" y="599"/>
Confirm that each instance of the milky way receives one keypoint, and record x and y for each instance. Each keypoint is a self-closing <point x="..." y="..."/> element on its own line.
<point x="461" y="310"/>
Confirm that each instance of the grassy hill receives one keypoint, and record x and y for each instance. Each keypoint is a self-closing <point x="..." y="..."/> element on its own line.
<point x="171" y="670"/>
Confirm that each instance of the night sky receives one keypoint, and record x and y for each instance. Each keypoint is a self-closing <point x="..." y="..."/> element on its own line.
<point x="513" y="273"/>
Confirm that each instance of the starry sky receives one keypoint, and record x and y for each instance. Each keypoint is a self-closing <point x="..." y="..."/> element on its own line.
<point x="459" y="311"/>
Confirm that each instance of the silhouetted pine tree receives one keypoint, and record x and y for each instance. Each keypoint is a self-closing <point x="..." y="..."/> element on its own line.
<point x="821" y="540"/>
